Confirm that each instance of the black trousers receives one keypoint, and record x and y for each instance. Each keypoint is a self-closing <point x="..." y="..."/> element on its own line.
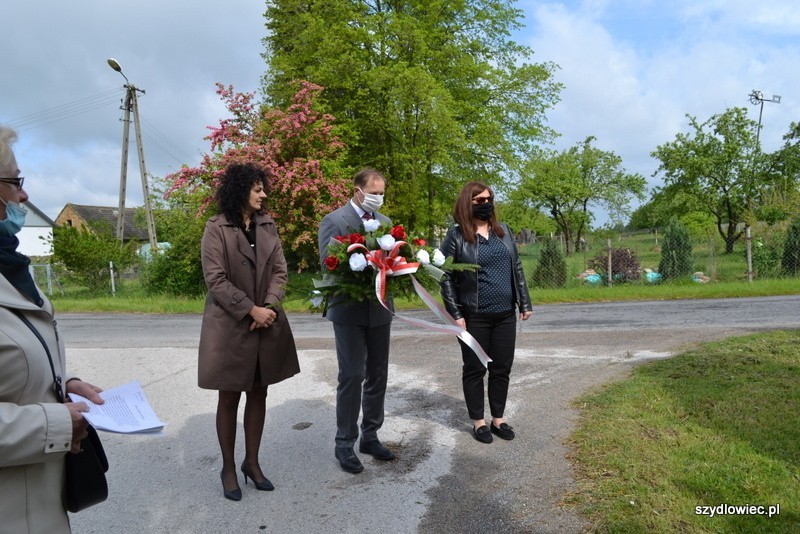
<point x="497" y="336"/>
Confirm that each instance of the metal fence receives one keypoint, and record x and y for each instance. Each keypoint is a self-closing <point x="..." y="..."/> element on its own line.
<point x="761" y="253"/>
<point x="46" y="277"/>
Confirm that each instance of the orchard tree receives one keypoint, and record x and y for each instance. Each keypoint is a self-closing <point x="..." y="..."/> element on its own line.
<point x="717" y="164"/>
<point x="782" y="201"/>
<point x="664" y="204"/>
<point x="569" y="184"/>
<point x="298" y="146"/>
<point x="431" y="93"/>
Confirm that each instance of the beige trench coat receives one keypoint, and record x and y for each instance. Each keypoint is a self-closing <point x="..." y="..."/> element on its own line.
<point x="35" y="430"/>
<point x="237" y="278"/>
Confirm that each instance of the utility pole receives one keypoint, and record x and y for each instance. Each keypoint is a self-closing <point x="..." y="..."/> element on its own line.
<point x="757" y="99"/>
<point x="131" y="104"/>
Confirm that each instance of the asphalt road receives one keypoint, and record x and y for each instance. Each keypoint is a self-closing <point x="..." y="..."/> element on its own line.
<point x="442" y="481"/>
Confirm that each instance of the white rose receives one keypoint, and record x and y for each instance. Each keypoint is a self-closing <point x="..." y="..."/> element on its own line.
<point x="438" y="258"/>
<point x="317" y="298"/>
<point x="423" y="256"/>
<point x="371" y="225"/>
<point x="358" y="262"/>
<point x="386" y="242"/>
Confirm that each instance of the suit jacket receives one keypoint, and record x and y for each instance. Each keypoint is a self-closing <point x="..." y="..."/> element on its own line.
<point x="35" y="430"/>
<point x="229" y="351"/>
<point x="343" y="221"/>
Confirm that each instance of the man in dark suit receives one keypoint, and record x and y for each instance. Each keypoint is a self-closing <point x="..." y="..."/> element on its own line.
<point x="362" y="332"/>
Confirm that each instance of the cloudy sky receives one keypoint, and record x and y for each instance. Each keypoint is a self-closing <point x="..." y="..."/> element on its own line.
<point x="632" y="70"/>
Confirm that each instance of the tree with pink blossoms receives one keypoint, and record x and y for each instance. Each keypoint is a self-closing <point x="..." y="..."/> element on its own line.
<point x="301" y="149"/>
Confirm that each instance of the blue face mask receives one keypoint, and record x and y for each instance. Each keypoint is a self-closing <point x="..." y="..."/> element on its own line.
<point x="15" y="219"/>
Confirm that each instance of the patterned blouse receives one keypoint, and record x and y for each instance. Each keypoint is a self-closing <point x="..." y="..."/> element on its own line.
<point x="495" y="277"/>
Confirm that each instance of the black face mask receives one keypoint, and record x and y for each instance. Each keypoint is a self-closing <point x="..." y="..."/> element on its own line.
<point x="483" y="211"/>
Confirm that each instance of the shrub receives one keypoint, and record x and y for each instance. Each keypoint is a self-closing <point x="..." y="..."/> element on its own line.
<point x="86" y="254"/>
<point x="790" y="262"/>
<point x="767" y="252"/>
<point x="676" y="251"/>
<point x="624" y="265"/>
<point x="551" y="271"/>
<point x="178" y="269"/>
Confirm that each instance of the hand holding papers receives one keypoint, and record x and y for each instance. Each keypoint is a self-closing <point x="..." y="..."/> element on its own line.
<point x="125" y="410"/>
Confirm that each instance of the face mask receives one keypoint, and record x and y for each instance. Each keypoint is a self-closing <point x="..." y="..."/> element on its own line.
<point x="483" y="211"/>
<point x="15" y="219"/>
<point x="371" y="202"/>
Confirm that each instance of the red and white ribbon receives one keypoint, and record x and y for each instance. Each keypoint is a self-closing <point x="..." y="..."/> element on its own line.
<point x="392" y="264"/>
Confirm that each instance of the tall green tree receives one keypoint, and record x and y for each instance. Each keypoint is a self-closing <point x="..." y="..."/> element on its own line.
<point x="568" y="185"/>
<point x="433" y="93"/>
<point x="717" y="163"/>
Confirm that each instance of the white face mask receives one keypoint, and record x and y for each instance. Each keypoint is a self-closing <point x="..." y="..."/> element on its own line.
<point x="371" y="201"/>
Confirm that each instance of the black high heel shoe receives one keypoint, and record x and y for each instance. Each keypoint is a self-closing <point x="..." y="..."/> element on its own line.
<point x="234" y="495"/>
<point x="264" y="485"/>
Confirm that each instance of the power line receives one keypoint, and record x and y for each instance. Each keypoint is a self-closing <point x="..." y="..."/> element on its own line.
<point x="65" y="111"/>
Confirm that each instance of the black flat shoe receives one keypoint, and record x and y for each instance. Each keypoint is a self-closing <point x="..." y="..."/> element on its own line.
<point x="482" y="434"/>
<point x="234" y="494"/>
<point x="348" y="459"/>
<point x="264" y="485"/>
<point x="503" y="431"/>
<point x="376" y="449"/>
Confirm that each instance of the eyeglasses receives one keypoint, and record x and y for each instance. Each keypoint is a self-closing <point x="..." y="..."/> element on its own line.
<point x="482" y="200"/>
<point x="14" y="181"/>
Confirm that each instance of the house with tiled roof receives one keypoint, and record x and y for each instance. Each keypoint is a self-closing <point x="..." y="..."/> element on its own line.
<point x="79" y="216"/>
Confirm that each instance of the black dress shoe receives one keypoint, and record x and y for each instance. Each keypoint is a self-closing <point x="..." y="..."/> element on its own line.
<point x="264" y="485"/>
<point x="503" y="431"/>
<point x="376" y="449"/>
<point x="482" y="434"/>
<point x="348" y="459"/>
<point x="234" y="494"/>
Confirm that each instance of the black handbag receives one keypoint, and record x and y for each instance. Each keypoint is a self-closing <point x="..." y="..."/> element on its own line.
<point x="85" y="480"/>
<point x="85" y="473"/>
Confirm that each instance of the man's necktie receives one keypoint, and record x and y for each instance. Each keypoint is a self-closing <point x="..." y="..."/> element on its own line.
<point x="367" y="216"/>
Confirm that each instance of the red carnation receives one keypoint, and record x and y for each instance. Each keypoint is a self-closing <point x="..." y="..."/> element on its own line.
<point x="398" y="232"/>
<point x="420" y="242"/>
<point x="331" y="262"/>
<point x="356" y="238"/>
<point x="342" y="239"/>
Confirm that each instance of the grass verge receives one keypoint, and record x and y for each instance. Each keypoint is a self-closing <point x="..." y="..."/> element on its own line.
<point x="716" y="425"/>
<point x="131" y="298"/>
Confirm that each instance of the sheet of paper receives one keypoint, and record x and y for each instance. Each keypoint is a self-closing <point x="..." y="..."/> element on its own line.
<point x="125" y="410"/>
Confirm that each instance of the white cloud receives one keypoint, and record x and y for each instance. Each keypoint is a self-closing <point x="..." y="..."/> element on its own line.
<point x="632" y="70"/>
<point x="55" y="58"/>
<point x="631" y="83"/>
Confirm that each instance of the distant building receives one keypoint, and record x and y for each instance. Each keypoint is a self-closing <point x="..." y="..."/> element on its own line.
<point x="77" y="216"/>
<point x="36" y="236"/>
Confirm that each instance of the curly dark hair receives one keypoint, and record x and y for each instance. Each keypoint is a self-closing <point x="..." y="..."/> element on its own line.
<point x="234" y="189"/>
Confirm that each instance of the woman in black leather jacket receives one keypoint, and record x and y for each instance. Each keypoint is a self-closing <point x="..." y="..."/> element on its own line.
<point x="485" y="302"/>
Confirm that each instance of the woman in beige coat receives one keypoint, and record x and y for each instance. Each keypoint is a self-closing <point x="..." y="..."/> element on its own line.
<point x="245" y="342"/>
<point x="36" y="431"/>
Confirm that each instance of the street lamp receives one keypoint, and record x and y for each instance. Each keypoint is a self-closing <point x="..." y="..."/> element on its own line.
<point x="131" y="104"/>
<point x="757" y="99"/>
